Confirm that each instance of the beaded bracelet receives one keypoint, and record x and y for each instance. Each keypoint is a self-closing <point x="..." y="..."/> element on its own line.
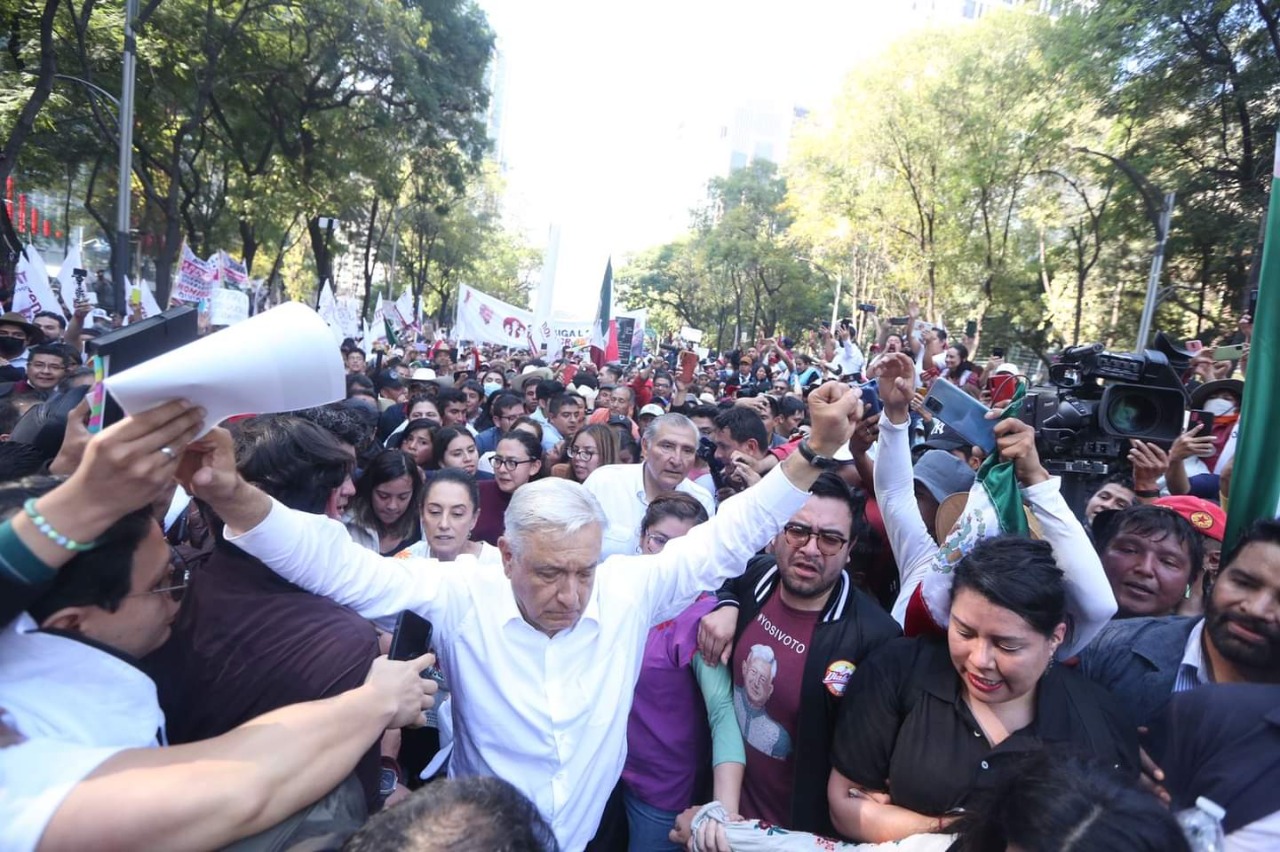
<point x="50" y="533"/>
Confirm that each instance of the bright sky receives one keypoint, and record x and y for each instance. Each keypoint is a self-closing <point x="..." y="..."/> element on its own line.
<point x="612" y="110"/>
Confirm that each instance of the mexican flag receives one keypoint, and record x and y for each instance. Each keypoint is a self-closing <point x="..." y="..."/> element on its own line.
<point x="994" y="508"/>
<point x="1255" y="484"/>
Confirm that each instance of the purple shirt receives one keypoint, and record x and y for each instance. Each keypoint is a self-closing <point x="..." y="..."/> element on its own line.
<point x="668" y="738"/>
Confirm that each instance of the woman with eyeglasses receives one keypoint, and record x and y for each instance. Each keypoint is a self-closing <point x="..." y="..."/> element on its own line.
<point x="383" y="513"/>
<point x="593" y="447"/>
<point x="682" y="723"/>
<point x="517" y="460"/>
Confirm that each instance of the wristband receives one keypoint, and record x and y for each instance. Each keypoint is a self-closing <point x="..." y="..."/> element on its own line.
<point x="50" y="533"/>
<point x="1148" y="493"/>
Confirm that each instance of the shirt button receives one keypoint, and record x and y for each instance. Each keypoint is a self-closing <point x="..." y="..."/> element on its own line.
<point x="977" y="733"/>
<point x="986" y="765"/>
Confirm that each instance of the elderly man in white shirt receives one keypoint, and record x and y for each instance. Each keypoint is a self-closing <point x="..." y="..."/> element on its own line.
<point x="625" y="490"/>
<point x="542" y="655"/>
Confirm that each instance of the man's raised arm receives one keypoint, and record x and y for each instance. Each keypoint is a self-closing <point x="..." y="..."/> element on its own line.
<point x="719" y="549"/>
<point x="312" y="551"/>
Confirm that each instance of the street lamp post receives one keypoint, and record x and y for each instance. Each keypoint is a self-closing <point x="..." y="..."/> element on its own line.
<point x="837" y="278"/>
<point x="126" y="158"/>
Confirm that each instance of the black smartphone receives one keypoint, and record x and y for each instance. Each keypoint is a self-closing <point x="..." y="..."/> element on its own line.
<point x="970" y="328"/>
<point x="867" y="307"/>
<point x="412" y="637"/>
<point x="1253" y="303"/>
<point x="898" y="320"/>
<point x="997" y="351"/>
<point x="141" y="341"/>
<point x="1204" y="418"/>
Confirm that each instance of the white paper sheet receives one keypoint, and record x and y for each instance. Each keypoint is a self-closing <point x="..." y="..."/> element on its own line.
<point x="279" y="360"/>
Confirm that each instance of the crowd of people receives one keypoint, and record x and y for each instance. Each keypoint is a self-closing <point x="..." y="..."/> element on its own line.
<point x="716" y="608"/>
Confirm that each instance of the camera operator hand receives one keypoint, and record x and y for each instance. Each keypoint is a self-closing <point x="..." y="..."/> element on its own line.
<point x="1149" y="464"/>
<point x="896" y="374"/>
<point x="1016" y="441"/>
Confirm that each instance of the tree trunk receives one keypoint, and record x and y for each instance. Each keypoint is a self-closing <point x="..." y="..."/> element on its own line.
<point x="320" y="248"/>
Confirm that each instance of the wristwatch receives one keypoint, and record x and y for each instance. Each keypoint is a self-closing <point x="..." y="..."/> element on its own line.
<point x="812" y="457"/>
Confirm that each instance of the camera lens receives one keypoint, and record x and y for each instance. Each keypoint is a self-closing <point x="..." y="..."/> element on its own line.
<point x="1133" y="413"/>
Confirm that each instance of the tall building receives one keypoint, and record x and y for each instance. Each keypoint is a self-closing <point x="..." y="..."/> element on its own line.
<point x="495" y="119"/>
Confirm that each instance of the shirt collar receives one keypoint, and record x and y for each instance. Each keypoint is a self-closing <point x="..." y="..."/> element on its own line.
<point x="509" y="610"/>
<point x="1193" y="662"/>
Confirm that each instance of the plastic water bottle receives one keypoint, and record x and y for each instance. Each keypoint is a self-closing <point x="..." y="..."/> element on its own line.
<point x="1202" y="826"/>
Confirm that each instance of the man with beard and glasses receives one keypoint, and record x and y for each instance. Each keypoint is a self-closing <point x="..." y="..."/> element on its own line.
<point x="1146" y="660"/>
<point x="793" y="653"/>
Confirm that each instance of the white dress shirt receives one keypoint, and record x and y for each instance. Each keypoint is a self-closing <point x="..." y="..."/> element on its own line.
<point x="75" y="705"/>
<point x="548" y="714"/>
<point x="620" y="490"/>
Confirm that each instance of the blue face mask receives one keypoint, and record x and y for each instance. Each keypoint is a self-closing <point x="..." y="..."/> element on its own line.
<point x="490" y="388"/>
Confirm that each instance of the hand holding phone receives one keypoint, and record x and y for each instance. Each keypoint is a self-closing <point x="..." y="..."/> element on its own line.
<point x="962" y="413"/>
<point x="1229" y="353"/>
<point x="412" y="637"/>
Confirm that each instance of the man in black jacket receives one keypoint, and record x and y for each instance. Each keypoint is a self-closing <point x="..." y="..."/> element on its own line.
<point x="793" y="654"/>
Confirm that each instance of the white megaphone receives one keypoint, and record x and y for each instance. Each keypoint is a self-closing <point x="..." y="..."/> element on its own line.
<point x="283" y="359"/>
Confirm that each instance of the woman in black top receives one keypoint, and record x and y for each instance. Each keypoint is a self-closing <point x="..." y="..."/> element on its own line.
<point x="925" y="723"/>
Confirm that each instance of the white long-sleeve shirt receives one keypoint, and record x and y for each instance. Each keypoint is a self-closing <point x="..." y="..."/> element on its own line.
<point x="1090" y="601"/>
<point x="548" y="714"/>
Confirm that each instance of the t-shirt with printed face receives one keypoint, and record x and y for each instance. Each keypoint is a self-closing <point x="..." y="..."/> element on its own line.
<point x="768" y="666"/>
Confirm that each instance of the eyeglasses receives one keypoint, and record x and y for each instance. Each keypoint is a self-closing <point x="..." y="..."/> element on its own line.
<point x="798" y="536"/>
<point x="176" y="582"/>
<point x="508" y="464"/>
<point x="582" y="453"/>
<point x="656" y="540"/>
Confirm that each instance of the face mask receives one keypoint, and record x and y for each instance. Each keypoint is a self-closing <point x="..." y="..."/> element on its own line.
<point x="1220" y="407"/>
<point x="490" y="388"/>
<point x="11" y="347"/>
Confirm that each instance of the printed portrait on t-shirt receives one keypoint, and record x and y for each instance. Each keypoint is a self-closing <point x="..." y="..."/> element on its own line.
<point x="750" y="701"/>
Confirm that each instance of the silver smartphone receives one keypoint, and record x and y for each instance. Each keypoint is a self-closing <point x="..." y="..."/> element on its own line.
<point x="962" y="413"/>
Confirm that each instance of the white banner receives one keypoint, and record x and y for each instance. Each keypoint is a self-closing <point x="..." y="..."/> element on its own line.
<point x="228" y="307"/>
<point x="195" y="279"/>
<point x="328" y="310"/>
<point x="232" y="272"/>
<point x="349" y="316"/>
<point x="574" y="335"/>
<point x="484" y="319"/>
<point x="67" y="278"/>
<point x="404" y="307"/>
<point x="31" y="291"/>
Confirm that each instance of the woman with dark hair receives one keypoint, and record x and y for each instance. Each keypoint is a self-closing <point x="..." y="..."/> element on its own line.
<point x="926" y="724"/>
<point x="383" y="514"/>
<point x="528" y="424"/>
<point x="516" y="461"/>
<point x="593" y="447"/>
<point x="961" y="371"/>
<point x="682" y="716"/>
<point x="1051" y="802"/>
<point x="418" y="440"/>
<point x="450" y="508"/>
<point x="455" y="448"/>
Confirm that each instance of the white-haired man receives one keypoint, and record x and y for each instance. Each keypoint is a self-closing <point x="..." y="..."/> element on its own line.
<point x="670" y="443"/>
<point x="542" y="656"/>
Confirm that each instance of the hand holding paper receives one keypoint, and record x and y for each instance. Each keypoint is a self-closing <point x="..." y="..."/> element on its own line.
<point x="280" y="360"/>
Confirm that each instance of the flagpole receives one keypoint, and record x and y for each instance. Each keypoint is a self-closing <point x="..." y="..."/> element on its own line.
<point x="1255" y="481"/>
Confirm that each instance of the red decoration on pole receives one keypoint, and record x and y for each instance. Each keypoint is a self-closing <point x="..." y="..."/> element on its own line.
<point x="22" y="213"/>
<point x="58" y="234"/>
<point x="46" y="227"/>
<point x="8" y="190"/>
<point x="35" y="220"/>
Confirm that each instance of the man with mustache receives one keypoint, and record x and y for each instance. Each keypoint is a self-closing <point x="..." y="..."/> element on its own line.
<point x="1146" y="660"/>
<point x="794" y="628"/>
